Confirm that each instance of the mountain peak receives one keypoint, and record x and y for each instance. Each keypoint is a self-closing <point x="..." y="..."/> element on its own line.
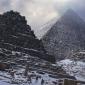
<point x="65" y="36"/>
<point x="71" y="18"/>
<point x="70" y="14"/>
<point x="70" y="11"/>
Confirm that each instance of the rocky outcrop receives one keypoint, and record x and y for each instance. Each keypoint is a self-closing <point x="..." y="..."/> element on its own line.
<point x="14" y="30"/>
<point x="66" y="36"/>
<point x="4" y="66"/>
<point x="16" y="35"/>
<point x="79" y="56"/>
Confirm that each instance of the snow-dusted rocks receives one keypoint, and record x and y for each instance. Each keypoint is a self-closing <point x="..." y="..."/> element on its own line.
<point x="74" y="68"/>
<point x="66" y="36"/>
<point x="37" y="67"/>
<point x="16" y="35"/>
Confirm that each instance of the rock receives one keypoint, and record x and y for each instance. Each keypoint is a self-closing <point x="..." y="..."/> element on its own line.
<point x="16" y="35"/>
<point x="17" y="32"/>
<point x="40" y="72"/>
<point x="4" y="66"/>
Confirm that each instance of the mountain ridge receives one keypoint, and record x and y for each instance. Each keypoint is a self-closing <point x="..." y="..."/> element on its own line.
<point x="16" y="35"/>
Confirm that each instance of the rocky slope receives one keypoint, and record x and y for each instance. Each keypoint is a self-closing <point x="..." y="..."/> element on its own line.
<point x="74" y="68"/>
<point x="16" y="35"/>
<point x="14" y="30"/>
<point x="66" y="36"/>
<point x="44" y="28"/>
<point x="23" y="57"/>
<point x="18" y="48"/>
<point x="45" y="70"/>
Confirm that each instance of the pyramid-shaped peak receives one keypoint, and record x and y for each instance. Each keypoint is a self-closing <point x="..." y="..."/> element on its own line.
<point x="71" y="13"/>
<point x="65" y="36"/>
<point x="71" y="17"/>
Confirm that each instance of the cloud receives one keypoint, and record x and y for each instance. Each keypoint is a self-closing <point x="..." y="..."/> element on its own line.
<point x="4" y="5"/>
<point x="36" y="10"/>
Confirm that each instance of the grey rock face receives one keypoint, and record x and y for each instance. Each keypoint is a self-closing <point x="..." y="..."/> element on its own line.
<point x="16" y="35"/>
<point x="14" y="30"/>
<point x="66" y="36"/>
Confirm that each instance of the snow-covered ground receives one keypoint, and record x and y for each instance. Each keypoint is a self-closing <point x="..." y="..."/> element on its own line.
<point x="74" y="68"/>
<point x="18" y="64"/>
<point x="20" y="79"/>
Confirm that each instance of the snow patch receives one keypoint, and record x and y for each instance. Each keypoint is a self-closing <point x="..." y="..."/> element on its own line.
<point x="74" y="68"/>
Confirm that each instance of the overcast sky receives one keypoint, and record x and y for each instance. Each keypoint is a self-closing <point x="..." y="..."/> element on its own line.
<point x="38" y="12"/>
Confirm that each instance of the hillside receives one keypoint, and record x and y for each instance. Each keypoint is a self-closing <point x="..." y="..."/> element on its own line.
<point x="66" y="36"/>
<point x="16" y="35"/>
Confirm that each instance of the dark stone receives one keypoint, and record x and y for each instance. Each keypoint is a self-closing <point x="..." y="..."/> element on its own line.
<point x="16" y="35"/>
<point x="4" y="66"/>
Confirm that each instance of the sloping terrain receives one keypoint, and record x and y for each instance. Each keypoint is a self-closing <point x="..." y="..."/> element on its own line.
<point x="16" y="35"/>
<point x="37" y="67"/>
<point x="23" y="59"/>
<point x="66" y="36"/>
<point x="14" y="30"/>
<point x="74" y="68"/>
<point x="44" y="28"/>
<point x="22" y="56"/>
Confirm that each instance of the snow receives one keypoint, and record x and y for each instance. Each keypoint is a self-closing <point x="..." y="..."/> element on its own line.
<point x="4" y="83"/>
<point x="74" y="68"/>
<point x="20" y="79"/>
<point x="82" y="52"/>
